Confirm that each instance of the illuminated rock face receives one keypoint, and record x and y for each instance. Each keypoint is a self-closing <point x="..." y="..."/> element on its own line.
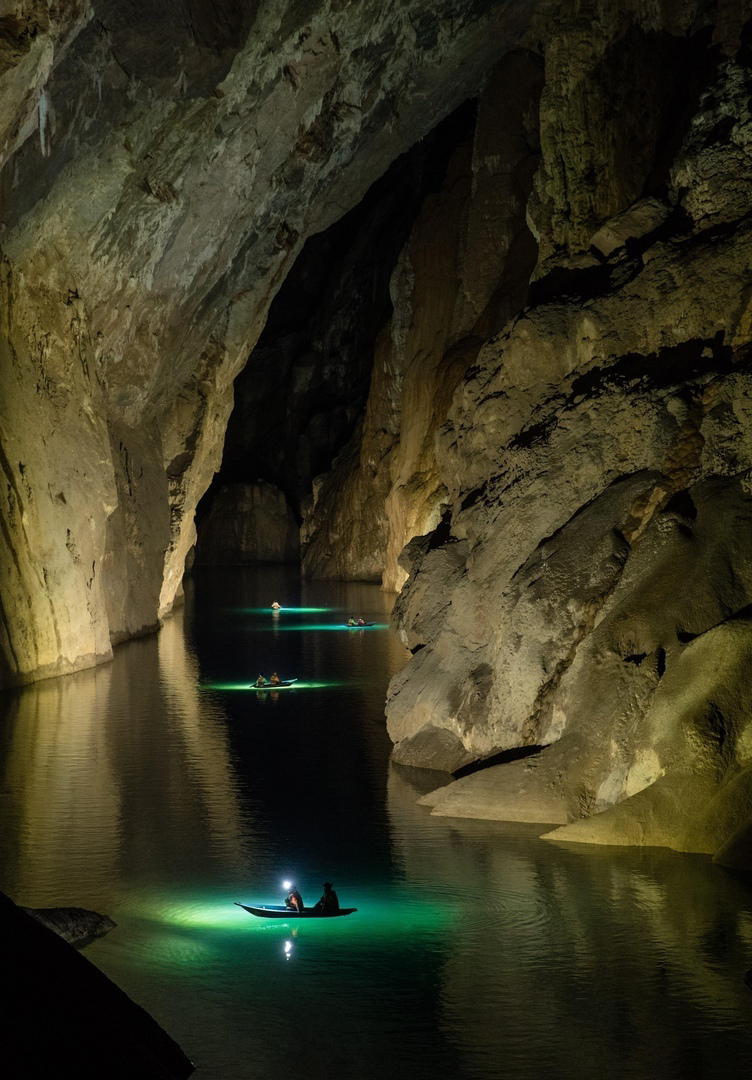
<point x="463" y="272"/>
<point x="555" y="446"/>
<point x="590" y="592"/>
<point x="163" y="171"/>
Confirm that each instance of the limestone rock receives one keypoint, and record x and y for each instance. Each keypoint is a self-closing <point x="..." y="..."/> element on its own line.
<point x="77" y="926"/>
<point x="248" y="523"/>
<point x="182" y="166"/>
<point x="640" y="219"/>
<point x="597" y="461"/>
<point x="463" y="272"/>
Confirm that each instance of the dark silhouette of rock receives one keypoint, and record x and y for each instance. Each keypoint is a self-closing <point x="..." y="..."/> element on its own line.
<point x="63" y="1018"/>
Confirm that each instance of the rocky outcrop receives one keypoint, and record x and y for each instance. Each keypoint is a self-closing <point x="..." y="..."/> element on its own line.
<point x="63" y="1017"/>
<point x="183" y="162"/>
<point x="77" y="926"/>
<point x="588" y="595"/>
<point x="248" y="523"/>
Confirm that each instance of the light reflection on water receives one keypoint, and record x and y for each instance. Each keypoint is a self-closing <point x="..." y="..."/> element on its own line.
<point x="478" y="951"/>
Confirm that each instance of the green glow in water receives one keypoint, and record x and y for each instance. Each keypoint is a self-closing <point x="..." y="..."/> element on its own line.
<point x="386" y="917"/>
<point x="250" y="688"/>
<point x="285" y="610"/>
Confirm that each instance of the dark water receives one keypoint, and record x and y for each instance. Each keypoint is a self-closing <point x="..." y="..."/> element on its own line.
<point x="156" y="790"/>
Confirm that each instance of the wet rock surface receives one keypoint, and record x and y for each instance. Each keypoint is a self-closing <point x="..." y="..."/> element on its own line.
<point x="77" y="926"/>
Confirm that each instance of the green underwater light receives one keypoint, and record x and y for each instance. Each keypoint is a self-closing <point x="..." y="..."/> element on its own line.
<point x="378" y="916"/>
<point x="285" y="610"/>
<point x="251" y="688"/>
<point x="375" y="918"/>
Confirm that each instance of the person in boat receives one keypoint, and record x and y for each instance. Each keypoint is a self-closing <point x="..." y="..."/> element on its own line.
<point x="261" y="681"/>
<point x="361" y="621"/>
<point x="275" y="679"/>
<point x="351" y="621"/>
<point x="293" y="900"/>
<point x="275" y="606"/>
<point x="329" y="902"/>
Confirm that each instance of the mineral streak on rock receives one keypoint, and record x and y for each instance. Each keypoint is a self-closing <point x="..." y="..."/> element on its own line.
<point x="180" y="165"/>
<point x="463" y="272"/>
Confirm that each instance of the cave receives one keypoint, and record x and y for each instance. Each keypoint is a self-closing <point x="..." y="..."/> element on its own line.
<point x="447" y="303"/>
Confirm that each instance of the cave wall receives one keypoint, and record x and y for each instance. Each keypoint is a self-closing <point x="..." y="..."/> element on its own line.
<point x="588" y="595"/>
<point x="463" y="272"/>
<point x="164" y="165"/>
<point x="555" y="446"/>
<point x="299" y="399"/>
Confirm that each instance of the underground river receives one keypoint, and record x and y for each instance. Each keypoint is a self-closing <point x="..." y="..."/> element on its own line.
<point x="158" y="789"/>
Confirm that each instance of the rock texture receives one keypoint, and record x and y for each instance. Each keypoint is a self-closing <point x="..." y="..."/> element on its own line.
<point x="589" y="592"/>
<point x="248" y="523"/>
<point x="184" y="155"/>
<point x="77" y="926"/>
<point x="463" y="272"/>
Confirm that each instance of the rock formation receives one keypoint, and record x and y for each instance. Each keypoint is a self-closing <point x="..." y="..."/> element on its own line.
<point x="63" y="1017"/>
<point x="181" y="154"/>
<point x="545" y="428"/>
<point x="77" y="926"/>
<point x="589" y="593"/>
<point x="249" y="523"/>
<point x="463" y="272"/>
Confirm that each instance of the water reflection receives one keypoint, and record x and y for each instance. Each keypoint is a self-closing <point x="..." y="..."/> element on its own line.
<point x="155" y="791"/>
<point x="57" y="812"/>
<point x="586" y="956"/>
<point x="117" y="775"/>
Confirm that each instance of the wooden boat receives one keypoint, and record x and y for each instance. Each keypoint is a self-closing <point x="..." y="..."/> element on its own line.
<point x="285" y="684"/>
<point x="279" y="911"/>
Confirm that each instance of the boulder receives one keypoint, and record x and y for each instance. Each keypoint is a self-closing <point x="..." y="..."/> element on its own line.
<point x="77" y="926"/>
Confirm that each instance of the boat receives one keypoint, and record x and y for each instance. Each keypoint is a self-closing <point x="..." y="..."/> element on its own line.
<point x="279" y="911"/>
<point x="285" y="684"/>
<point x="357" y="626"/>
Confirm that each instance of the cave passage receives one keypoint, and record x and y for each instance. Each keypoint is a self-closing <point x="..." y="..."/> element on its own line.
<point x="190" y="795"/>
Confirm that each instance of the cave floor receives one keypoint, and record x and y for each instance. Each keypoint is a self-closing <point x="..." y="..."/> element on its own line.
<point x="159" y="789"/>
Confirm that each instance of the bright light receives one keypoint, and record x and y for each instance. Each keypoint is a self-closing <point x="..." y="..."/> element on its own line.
<point x="288" y="949"/>
<point x="286" y="884"/>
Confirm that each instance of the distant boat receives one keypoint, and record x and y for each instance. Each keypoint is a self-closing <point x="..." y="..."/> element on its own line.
<point x="284" y="685"/>
<point x="275" y="911"/>
<point x="357" y="626"/>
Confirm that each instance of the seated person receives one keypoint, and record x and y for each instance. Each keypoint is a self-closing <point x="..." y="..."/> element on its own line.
<point x="275" y="679"/>
<point x="275" y="606"/>
<point x="361" y="621"/>
<point x="261" y="681"/>
<point x="293" y="900"/>
<point x="329" y="903"/>
<point x="351" y="621"/>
